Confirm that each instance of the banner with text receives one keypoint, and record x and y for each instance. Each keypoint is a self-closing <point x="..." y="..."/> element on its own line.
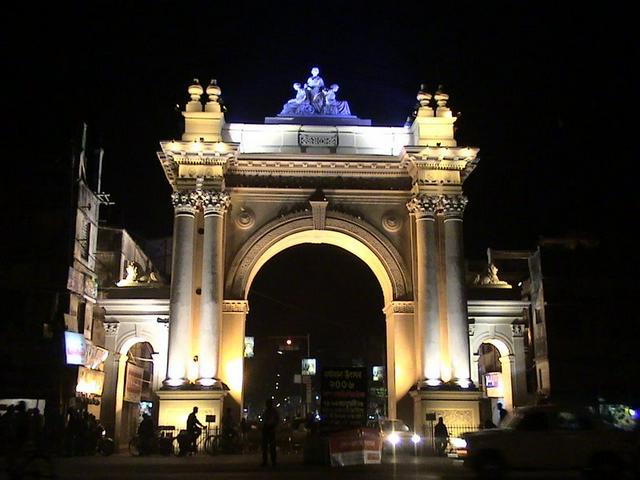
<point x="344" y="398"/>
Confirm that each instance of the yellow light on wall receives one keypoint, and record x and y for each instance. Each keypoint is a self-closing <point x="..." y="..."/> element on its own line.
<point x="233" y="375"/>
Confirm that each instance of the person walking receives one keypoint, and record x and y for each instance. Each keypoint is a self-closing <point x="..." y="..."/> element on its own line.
<point x="270" y="420"/>
<point x="502" y="412"/>
<point x="146" y="434"/>
<point x="441" y="436"/>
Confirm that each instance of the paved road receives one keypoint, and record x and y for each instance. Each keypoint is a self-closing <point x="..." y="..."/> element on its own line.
<point x="236" y="467"/>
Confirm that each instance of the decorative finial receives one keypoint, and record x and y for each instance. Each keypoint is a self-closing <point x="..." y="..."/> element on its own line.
<point x="424" y="98"/>
<point x="441" y="99"/>
<point x="214" y="91"/>
<point x="195" y="91"/>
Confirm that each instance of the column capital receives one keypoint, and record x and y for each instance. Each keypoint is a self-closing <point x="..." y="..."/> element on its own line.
<point x="424" y="205"/>
<point x="453" y="205"/>
<point x="184" y="202"/>
<point x="111" y="328"/>
<point x="214" y="202"/>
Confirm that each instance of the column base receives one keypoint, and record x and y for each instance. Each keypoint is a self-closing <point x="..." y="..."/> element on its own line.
<point x="177" y="403"/>
<point x="459" y="409"/>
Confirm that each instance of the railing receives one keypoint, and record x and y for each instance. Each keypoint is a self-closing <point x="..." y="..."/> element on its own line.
<point x="458" y="430"/>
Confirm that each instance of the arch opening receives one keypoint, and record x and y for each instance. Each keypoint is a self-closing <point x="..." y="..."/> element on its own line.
<point x="495" y="371"/>
<point x="135" y="394"/>
<point x="312" y="299"/>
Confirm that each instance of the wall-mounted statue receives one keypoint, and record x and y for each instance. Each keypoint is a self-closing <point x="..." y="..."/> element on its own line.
<point x="134" y="277"/>
<point x="490" y="278"/>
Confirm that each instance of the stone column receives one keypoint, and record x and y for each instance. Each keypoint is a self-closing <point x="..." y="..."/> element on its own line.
<point x="215" y="205"/>
<point x="109" y="390"/>
<point x="457" y="320"/>
<point x="181" y="288"/>
<point x="423" y="208"/>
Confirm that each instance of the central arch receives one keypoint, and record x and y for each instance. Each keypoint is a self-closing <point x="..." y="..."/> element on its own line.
<point x="328" y="237"/>
<point x="341" y="230"/>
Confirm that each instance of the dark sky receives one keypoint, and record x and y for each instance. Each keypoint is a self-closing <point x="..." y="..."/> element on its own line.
<point x="546" y="92"/>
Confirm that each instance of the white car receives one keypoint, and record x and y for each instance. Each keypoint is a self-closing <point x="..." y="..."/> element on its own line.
<point x="398" y="437"/>
<point x="553" y="438"/>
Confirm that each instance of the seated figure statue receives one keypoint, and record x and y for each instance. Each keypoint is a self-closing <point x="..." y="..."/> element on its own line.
<point x="333" y="106"/>
<point x="299" y="105"/>
<point x="315" y="87"/>
<point x="313" y="98"/>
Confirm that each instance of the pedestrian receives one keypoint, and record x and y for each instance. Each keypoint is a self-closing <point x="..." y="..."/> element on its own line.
<point x="194" y="428"/>
<point x="441" y="436"/>
<point x="502" y="412"/>
<point x="229" y="431"/>
<point x="146" y="434"/>
<point x="270" y="420"/>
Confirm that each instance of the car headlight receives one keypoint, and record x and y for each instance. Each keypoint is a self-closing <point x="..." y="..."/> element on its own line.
<point x="415" y="438"/>
<point x="458" y="442"/>
<point x="393" y="438"/>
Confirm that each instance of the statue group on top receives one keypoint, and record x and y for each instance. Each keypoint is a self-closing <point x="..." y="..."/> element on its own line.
<point x="313" y="98"/>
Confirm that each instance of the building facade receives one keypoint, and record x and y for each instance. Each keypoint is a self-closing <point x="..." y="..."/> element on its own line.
<point x="392" y="196"/>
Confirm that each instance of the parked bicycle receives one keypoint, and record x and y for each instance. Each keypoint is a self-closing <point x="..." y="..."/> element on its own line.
<point x="217" y="443"/>
<point x="163" y="444"/>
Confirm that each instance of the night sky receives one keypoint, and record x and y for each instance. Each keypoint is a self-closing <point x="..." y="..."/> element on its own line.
<point x="546" y="92"/>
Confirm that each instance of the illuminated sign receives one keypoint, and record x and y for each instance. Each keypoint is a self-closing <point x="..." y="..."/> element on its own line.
<point x="378" y="374"/>
<point x="90" y="381"/>
<point x="493" y="383"/>
<point x="492" y="380"/>
<point x="249" y="343"/>
<point x="75" y="348"/>
<point x="308" y="366"/>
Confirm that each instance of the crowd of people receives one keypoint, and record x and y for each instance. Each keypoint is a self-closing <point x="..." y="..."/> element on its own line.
<point x="22" y="428"/>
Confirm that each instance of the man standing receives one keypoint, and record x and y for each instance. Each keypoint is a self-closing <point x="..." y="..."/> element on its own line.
<point x="194" y="427"/>
<point x="270" y="420"/>
<point x="441" y="436"/>
<point x="146" y="434"/>
<point x="502" y="412"/>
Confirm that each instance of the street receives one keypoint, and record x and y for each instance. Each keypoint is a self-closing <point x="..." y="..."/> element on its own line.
<point x="123" y="466"/>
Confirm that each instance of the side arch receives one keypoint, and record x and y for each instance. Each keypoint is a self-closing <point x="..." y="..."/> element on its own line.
<point x="342" y="230"/>
<point x="505" y="347"/>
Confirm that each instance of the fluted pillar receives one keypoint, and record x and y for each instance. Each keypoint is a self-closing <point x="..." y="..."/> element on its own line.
<point x="423" y="208"/>
<point x="453" y="207"/>
<point x="181" y="288"/>
<point x="214" y="205"/>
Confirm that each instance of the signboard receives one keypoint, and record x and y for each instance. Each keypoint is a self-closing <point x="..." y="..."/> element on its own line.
<point x="94" y="356"/>
<point x="133" y="383"/>
<point x="249" y="343"/>
<point x="344" y="398"/>
<point x="378" y="374"/>
<point x="90" y="287"/>
<point x="75" y="348"/>
<point x="90" y="381"/>
<point x="75" y="281"/>
<point x="355" y="447"/>
<point x="88" y="321"/>
<point x="308" y="366"/>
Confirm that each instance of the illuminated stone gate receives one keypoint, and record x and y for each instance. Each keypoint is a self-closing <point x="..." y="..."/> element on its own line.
<point x="392" y="196"/>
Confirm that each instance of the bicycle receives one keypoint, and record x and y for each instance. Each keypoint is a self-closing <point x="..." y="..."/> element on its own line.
<point x="164" y="445"/>
<point x="216" y="443"/>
